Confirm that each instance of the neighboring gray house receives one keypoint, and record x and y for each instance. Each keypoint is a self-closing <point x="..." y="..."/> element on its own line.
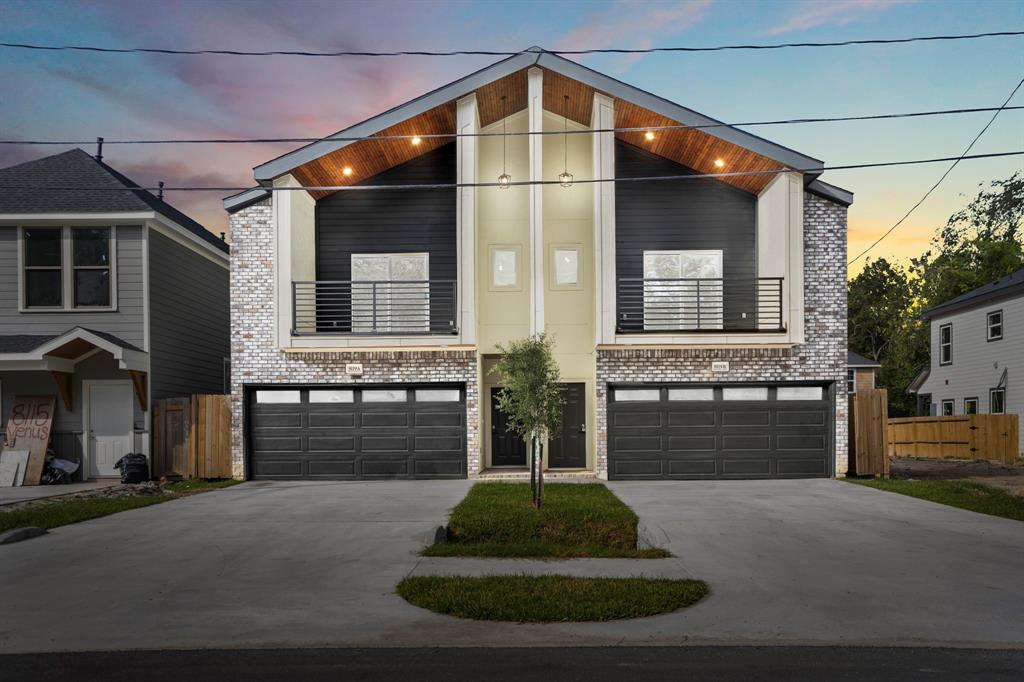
<point x="977" y="353"/>
<point x="109" y="299"/>
<point x="699" y="322"/>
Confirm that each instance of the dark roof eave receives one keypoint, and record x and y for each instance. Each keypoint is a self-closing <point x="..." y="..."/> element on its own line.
<point x="830" y="192"/>
<point x="237" y="202"/>
<point x="955" y="305"/>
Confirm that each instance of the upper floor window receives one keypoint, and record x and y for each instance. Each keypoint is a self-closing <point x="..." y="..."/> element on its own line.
<point x="994" y="325"/>
<point x="683" y="290"/>
<point x="390" y="292"/>
<point x="946" y="344"/>
<point x="851" y="381"/>
<point x="67" y="268"/>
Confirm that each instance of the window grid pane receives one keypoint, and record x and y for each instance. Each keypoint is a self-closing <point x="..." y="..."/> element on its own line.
<point x="637" y="394"/>
<point x="385" y="396"/>
<point x="331" y="396"/>
<point x="437" y="395"/>
<point x="691" y="394"/>
<point x="798" y="393"/>
<point x="745" y="393"/>
<point x="278" y="397"/>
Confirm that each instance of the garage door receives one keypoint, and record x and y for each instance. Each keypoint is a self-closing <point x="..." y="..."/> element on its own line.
<point x="719" y="431"/>
<point x="378" y="432"/>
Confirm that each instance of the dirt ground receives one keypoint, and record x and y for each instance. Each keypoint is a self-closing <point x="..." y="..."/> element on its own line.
<point x="1007" y="477"/>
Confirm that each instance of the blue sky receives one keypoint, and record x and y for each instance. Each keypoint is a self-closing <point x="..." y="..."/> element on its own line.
<point x="59" y="95"/>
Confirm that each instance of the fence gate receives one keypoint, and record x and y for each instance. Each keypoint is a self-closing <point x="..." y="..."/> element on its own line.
<point x="970" y="436"/>
<point x="192" y="437"/>
<point x="869" y="416"/>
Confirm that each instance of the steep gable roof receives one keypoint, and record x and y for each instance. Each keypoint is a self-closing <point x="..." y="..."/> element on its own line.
<point x="26" y="192"/>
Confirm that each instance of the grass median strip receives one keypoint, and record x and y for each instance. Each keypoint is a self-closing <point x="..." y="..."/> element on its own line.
<point x="549" y="598"/>
<point x="968" y="495"/>
<point x="576" y="520"/>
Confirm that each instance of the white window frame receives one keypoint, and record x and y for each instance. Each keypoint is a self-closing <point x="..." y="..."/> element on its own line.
<point x="1001" y="392"/>
<point x="952" y="407"/>
<point x="682" y="321"/>
<point x="851" y="380"/>
<point x="384" y="296"/>
<point x="67" y="270"/>
<point x="968" y="401"/>
<point x="517" y="251"/>
<point x="989" y="325"/>
<point x="553" y="267"/>
<point x="946" y="345"/>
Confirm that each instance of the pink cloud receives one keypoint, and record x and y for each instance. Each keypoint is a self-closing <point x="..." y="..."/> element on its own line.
<point x="832" y="13"/>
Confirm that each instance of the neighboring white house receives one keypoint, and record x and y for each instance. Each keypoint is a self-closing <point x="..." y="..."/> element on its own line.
<point x="977" y="353"/>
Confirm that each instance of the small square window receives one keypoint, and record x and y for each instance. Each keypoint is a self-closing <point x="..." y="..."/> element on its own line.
<point x="691" y="394"/>
<point x="278" y="397"/>
<point x="745" y="393"/>
<point x="798" y="393"/>
<point x="637" y="394"/>
<point x="994" y="326"/>
<point x="970" y="406"/>
<point x="330" y="396"/>
<point x="385" y="396"/>
<point x="565" y="267"/>
<point x="437" y="395"/>
<point x="947" y="408"/>
<point x="505" y="267"/>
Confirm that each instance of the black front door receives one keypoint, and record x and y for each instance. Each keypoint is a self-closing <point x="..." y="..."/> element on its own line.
<point x="569" y="449"/>
<point x="507" y="448"/>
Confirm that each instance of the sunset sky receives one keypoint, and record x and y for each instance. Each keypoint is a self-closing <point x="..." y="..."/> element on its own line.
<point x="54" y="95"/>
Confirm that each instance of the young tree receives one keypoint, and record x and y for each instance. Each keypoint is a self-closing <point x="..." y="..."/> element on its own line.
<point x="531" y="399"/>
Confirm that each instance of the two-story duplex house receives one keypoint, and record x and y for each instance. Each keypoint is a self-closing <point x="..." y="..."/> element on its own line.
<point x="700" y="322"/>
<point x="109" y="299"/>
<point x="977" y="349"/>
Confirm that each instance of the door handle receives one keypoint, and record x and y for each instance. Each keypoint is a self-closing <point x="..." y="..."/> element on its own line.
<point x="583" y="427"/>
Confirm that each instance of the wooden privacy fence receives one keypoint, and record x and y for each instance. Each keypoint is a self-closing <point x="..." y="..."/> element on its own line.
<point x="869" y="414"/>
<point x="970" y="436"/>
<point x="192" y="437"/>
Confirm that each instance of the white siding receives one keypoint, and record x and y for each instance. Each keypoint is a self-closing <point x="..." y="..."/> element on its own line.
<point x="978" y="363"/>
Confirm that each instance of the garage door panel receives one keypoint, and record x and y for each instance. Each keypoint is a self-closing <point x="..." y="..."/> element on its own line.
<point x="702" y="418"/>
<point x="763" y="435"/>
<point x="352" y="438"/>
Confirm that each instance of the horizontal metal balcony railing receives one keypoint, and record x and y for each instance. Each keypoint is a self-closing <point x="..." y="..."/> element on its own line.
<point x="699" y="305"/>
<point x="396" y="308"/>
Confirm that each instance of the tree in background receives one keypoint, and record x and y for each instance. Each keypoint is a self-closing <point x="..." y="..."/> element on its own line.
<point x="531" y="399"/>
<point x="979" y="244"/>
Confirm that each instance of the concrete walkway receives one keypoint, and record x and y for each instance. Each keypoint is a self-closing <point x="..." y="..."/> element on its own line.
<point x="315" y="564"/>
<point x="26" y="493"/>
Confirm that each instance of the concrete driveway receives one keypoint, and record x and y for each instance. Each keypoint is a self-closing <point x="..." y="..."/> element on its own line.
<point x="315" y="564"/>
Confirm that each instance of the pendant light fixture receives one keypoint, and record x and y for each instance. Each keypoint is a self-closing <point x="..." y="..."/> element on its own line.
<point x="565" y="177"/>
<point x="504" y="180"/>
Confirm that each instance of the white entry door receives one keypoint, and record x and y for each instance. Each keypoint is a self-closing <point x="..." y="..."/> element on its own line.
<point x="109" y="425"/>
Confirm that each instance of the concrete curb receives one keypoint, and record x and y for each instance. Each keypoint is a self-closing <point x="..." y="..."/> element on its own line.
<point x="19" y="534"/>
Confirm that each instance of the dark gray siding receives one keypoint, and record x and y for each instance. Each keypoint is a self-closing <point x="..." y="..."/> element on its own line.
<point x="126" y="322"/>
<point x="684" y="214"/>
<point x="399" y="221"/>
<point x="189" y="321"/>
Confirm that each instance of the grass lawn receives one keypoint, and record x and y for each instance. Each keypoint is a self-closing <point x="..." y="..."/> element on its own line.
<point x="549" y="598"/>
<point x="577" y="520"/>
<point x="963" y="494"/>
<point x="51" y="513"/>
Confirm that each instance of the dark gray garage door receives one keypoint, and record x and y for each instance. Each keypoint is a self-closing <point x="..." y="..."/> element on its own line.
<point x="322" y="432"/>
<point x="780" y="431"/>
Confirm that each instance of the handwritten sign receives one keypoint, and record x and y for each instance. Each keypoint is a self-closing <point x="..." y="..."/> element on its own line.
<point x="28" y="428"/>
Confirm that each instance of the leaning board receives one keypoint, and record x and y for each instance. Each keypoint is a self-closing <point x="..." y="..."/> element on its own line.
<point x="28" y="428"/>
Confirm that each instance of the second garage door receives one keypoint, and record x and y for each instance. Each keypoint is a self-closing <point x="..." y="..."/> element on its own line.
<point x="321" y="432"/>
<point x="782" y="431"/>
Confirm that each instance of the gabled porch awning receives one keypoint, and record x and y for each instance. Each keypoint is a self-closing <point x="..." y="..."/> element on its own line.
<point x="60" y="352"/>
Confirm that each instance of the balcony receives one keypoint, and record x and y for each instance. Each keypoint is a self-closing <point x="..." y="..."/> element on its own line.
<point x="384" y="308"/>
<point x="700" y="305"/>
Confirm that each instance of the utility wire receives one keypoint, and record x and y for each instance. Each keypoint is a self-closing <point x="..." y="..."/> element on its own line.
<point x="949" y="170"/>
<point x="521" y="183"/>
<point x="428" y="136"/>
<point x="495" y="53"/>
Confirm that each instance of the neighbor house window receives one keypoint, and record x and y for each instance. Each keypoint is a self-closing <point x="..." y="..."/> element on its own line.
<point x="67" y="268"/>
<point x="994" y="325"/>
<point x="851" y="381"/>
<point x="997" y="401"/>
<point x="947" y="408"/>
<point x="946" y="344"/>
<point x="683" y="290"/>
<point x="390" y="292"/>
<point x="970" y="406"/>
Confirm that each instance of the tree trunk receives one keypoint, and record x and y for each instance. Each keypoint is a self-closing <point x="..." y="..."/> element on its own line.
<point x="540" y="476"/>
<point x="533" y="467"/>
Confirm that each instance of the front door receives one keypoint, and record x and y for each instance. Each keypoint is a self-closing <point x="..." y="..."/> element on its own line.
<point x="507" y="448"/>
<point x="569" y="449"/>
<point x="109" y="425"/>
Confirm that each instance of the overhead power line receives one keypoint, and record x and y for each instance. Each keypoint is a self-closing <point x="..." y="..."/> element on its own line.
<point x="497" y="53"/>
<point x="428" y="136"/>
<point x="522" y="183"/>
<point x="938" y="182"/>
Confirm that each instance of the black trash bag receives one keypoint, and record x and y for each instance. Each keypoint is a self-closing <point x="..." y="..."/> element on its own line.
<point x="54" y="476"/>
<point x="134" y="468"/>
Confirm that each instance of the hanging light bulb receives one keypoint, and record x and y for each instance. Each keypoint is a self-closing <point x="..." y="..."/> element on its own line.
<point x="565" y="177"/>
<point x="504" y="180"/>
